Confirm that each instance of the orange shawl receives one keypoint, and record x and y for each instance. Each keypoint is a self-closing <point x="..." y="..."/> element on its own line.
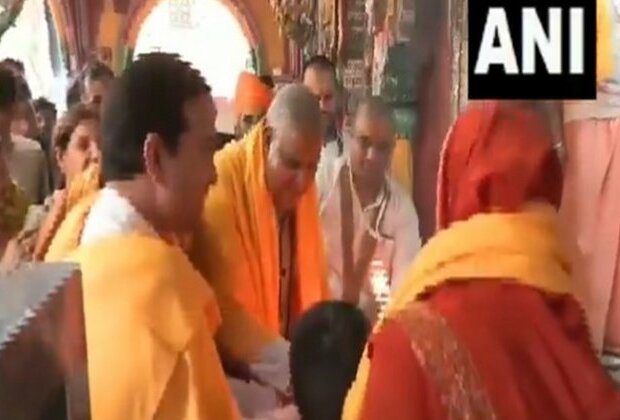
<point x="237" y="245"/>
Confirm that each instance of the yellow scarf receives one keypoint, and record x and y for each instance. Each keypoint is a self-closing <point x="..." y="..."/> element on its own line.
<point x="402" y="164"/>
<point x="487" y="247"/>
<point x="604" y="40"/>
<point x="56" y="238"/>
<point x="153" y="287"/>
<point x="237" y="247"/>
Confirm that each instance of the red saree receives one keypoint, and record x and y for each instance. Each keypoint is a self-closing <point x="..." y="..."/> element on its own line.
<point x="485" y="324"/>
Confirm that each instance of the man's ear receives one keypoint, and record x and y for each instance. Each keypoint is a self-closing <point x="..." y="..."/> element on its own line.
<point x="152" y="154"/>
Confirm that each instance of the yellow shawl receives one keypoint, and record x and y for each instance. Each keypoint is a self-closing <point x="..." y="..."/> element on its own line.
<point x="604" y="40"/>
<point x="56" y="238"/>
<point x="150" y="320"/>
<point x="66" y="238"/>
<point x="237" y="245"/>
<point x="487" y="247"/>
<point x="402" y="164"/>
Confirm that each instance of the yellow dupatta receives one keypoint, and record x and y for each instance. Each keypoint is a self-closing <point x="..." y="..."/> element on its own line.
<point x="604" y="40"/>
<point x="61" y="230"/>
<point x="144" y="303"/>
<point x="237" y="248"/>
<point x="402" y="164"/>
<point x="487" y="247"/>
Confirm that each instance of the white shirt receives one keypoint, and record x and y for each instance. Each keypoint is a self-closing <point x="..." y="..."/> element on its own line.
<point x="329" y="154"/>
<point x="112" y="214"/>
<point x="397" y="232"/>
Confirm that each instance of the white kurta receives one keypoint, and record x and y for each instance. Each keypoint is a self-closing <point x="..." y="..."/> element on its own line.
<point x="397" y="233"/>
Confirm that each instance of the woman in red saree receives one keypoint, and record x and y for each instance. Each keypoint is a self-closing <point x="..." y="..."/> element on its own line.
<point x="486" y="324"/>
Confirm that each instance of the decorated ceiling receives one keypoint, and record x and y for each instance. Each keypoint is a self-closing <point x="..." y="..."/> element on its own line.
<point x="108" y="28"/>
<point x="379" y="46"/>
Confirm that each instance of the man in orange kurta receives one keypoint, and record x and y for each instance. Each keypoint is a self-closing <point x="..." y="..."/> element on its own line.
<point x="150" y="316"/>
<point x="260" y="241"/>
<point x="486" y="325"/>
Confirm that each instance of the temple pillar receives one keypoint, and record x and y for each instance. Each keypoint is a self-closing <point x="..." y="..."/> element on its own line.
<point x="78" y="24"/>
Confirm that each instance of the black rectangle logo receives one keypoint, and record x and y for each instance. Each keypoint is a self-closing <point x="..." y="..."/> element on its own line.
<point x="531" y="49"/>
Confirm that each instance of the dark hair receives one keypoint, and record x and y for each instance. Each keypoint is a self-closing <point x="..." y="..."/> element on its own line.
<point x="23" y="90"/>
<point x="320" y="62"/>
<point x="13" y="62"/>
<point x="74" y="93"/>
<point x="327" y="344"/>
<point x="44" y="104"/>
<point x="149" y="97"/>
<point x="8" y="89"/>
<point x="69" y="122"/>
<point x="267" y="80"/>
<point x="97" y="71"/>
<point x="223" y="138"/>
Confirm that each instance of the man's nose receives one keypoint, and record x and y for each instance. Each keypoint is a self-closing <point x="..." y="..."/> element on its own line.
<point x="95" y="154"/>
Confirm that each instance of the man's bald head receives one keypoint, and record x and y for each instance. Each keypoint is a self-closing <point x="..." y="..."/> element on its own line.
<point x="374" y="108"/>
<point x="295" y="108"/>
<point x="320" y="77"/>
<point x="293" y="141"/>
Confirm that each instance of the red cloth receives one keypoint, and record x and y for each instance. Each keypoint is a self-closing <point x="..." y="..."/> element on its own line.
<point x="530" y="350"/>
<point x="496" y="157"/>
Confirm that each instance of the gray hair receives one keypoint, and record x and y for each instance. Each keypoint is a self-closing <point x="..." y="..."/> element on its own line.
<point x="295" y="108"/>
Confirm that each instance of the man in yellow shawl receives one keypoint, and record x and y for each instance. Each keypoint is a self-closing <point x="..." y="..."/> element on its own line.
<point x="150" y="316"/>
<point x="260" y="242"/>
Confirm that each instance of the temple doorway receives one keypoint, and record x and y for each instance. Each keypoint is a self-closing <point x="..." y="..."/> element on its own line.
<point x="206" y="34"/>
<point x="31" y="41"/>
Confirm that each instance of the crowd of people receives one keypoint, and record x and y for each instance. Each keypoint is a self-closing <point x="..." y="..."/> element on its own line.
<point x="280" y="274"/>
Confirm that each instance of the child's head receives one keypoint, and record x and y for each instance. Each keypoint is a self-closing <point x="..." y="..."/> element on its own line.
<point x="326" y="347"/>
